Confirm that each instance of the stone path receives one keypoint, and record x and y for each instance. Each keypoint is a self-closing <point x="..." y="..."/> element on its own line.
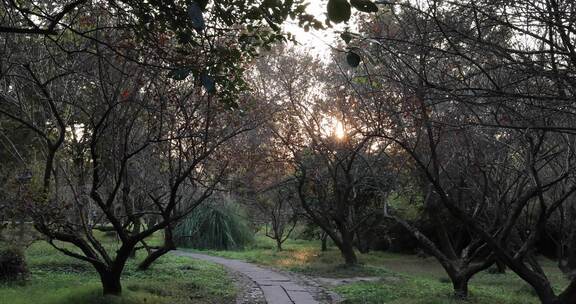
<point x="278" y="288"/>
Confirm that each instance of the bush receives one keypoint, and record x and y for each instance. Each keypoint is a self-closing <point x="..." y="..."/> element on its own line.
<point x="212" y="225"/>
<point x="12" y="265"/>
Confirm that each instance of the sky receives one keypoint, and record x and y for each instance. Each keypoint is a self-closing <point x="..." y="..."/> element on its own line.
<point x="316" y="41"/>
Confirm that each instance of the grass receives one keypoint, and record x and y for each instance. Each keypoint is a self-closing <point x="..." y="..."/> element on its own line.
<point x="215" y="225"/>
<point x="403" y="279"/>
<point x="58" y="279"/>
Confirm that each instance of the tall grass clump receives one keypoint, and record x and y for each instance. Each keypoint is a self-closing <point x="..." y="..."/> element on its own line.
<point x="214" y="225"/>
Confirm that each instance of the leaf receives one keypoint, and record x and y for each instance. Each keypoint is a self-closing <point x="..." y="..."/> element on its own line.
<point x="271" y="3"/>
<point x="353" y="59"/>
<point x="208" y="82"/>
<point x="364" y="6"/>
<point x="196" y="17"/>
<point x="346" y="36"/>
<point x="202" y="3"/>
<point x="254" y="14"/>
<point x="338" y="10"/>
<point x="179" y="73"/>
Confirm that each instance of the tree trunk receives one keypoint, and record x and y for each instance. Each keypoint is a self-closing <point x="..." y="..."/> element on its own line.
<point x="568" y="296"/>
<point x="500" y="267"/>
<point x="278" y="245"/>
<point x="152" y="257"/>
<point x="111" y="283"/>
<point x="324" y="239"/>
<point x="567" y="299"/>
<point x="460" y="285"/>
<point x="347" y="251"/>
<point x="361" y="244"/>
<point x="540" y="285"/>
<point x="137" y="226"/>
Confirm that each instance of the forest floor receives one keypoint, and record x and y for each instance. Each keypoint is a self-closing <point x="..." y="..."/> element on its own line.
<point x="58" y="279"/>
<point x="386" y="277"/>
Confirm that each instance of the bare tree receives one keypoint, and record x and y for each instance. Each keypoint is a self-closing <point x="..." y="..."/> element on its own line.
<point x="278" y="204"/>
<point x="492" y="71"/>
<point x="128" y="116"/>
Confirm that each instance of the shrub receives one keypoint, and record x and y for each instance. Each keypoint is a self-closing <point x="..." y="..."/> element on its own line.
<point x="212" y="225"/>
<point x="12" y="264"/>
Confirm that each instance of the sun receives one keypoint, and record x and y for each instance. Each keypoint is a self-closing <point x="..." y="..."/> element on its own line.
<point x="339" y="130"/>
<point x="332" y="127"/>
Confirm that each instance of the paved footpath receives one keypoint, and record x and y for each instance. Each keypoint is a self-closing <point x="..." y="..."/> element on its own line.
<point x="277" y="287"/>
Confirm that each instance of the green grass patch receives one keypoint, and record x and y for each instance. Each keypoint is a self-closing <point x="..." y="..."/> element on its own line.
<point x="423" y="290"/>
<point x="58" y="279"/>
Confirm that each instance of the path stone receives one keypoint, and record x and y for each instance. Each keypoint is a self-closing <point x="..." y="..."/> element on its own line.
<point x="278" y="288"/>
<point x="248" y="291"/>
